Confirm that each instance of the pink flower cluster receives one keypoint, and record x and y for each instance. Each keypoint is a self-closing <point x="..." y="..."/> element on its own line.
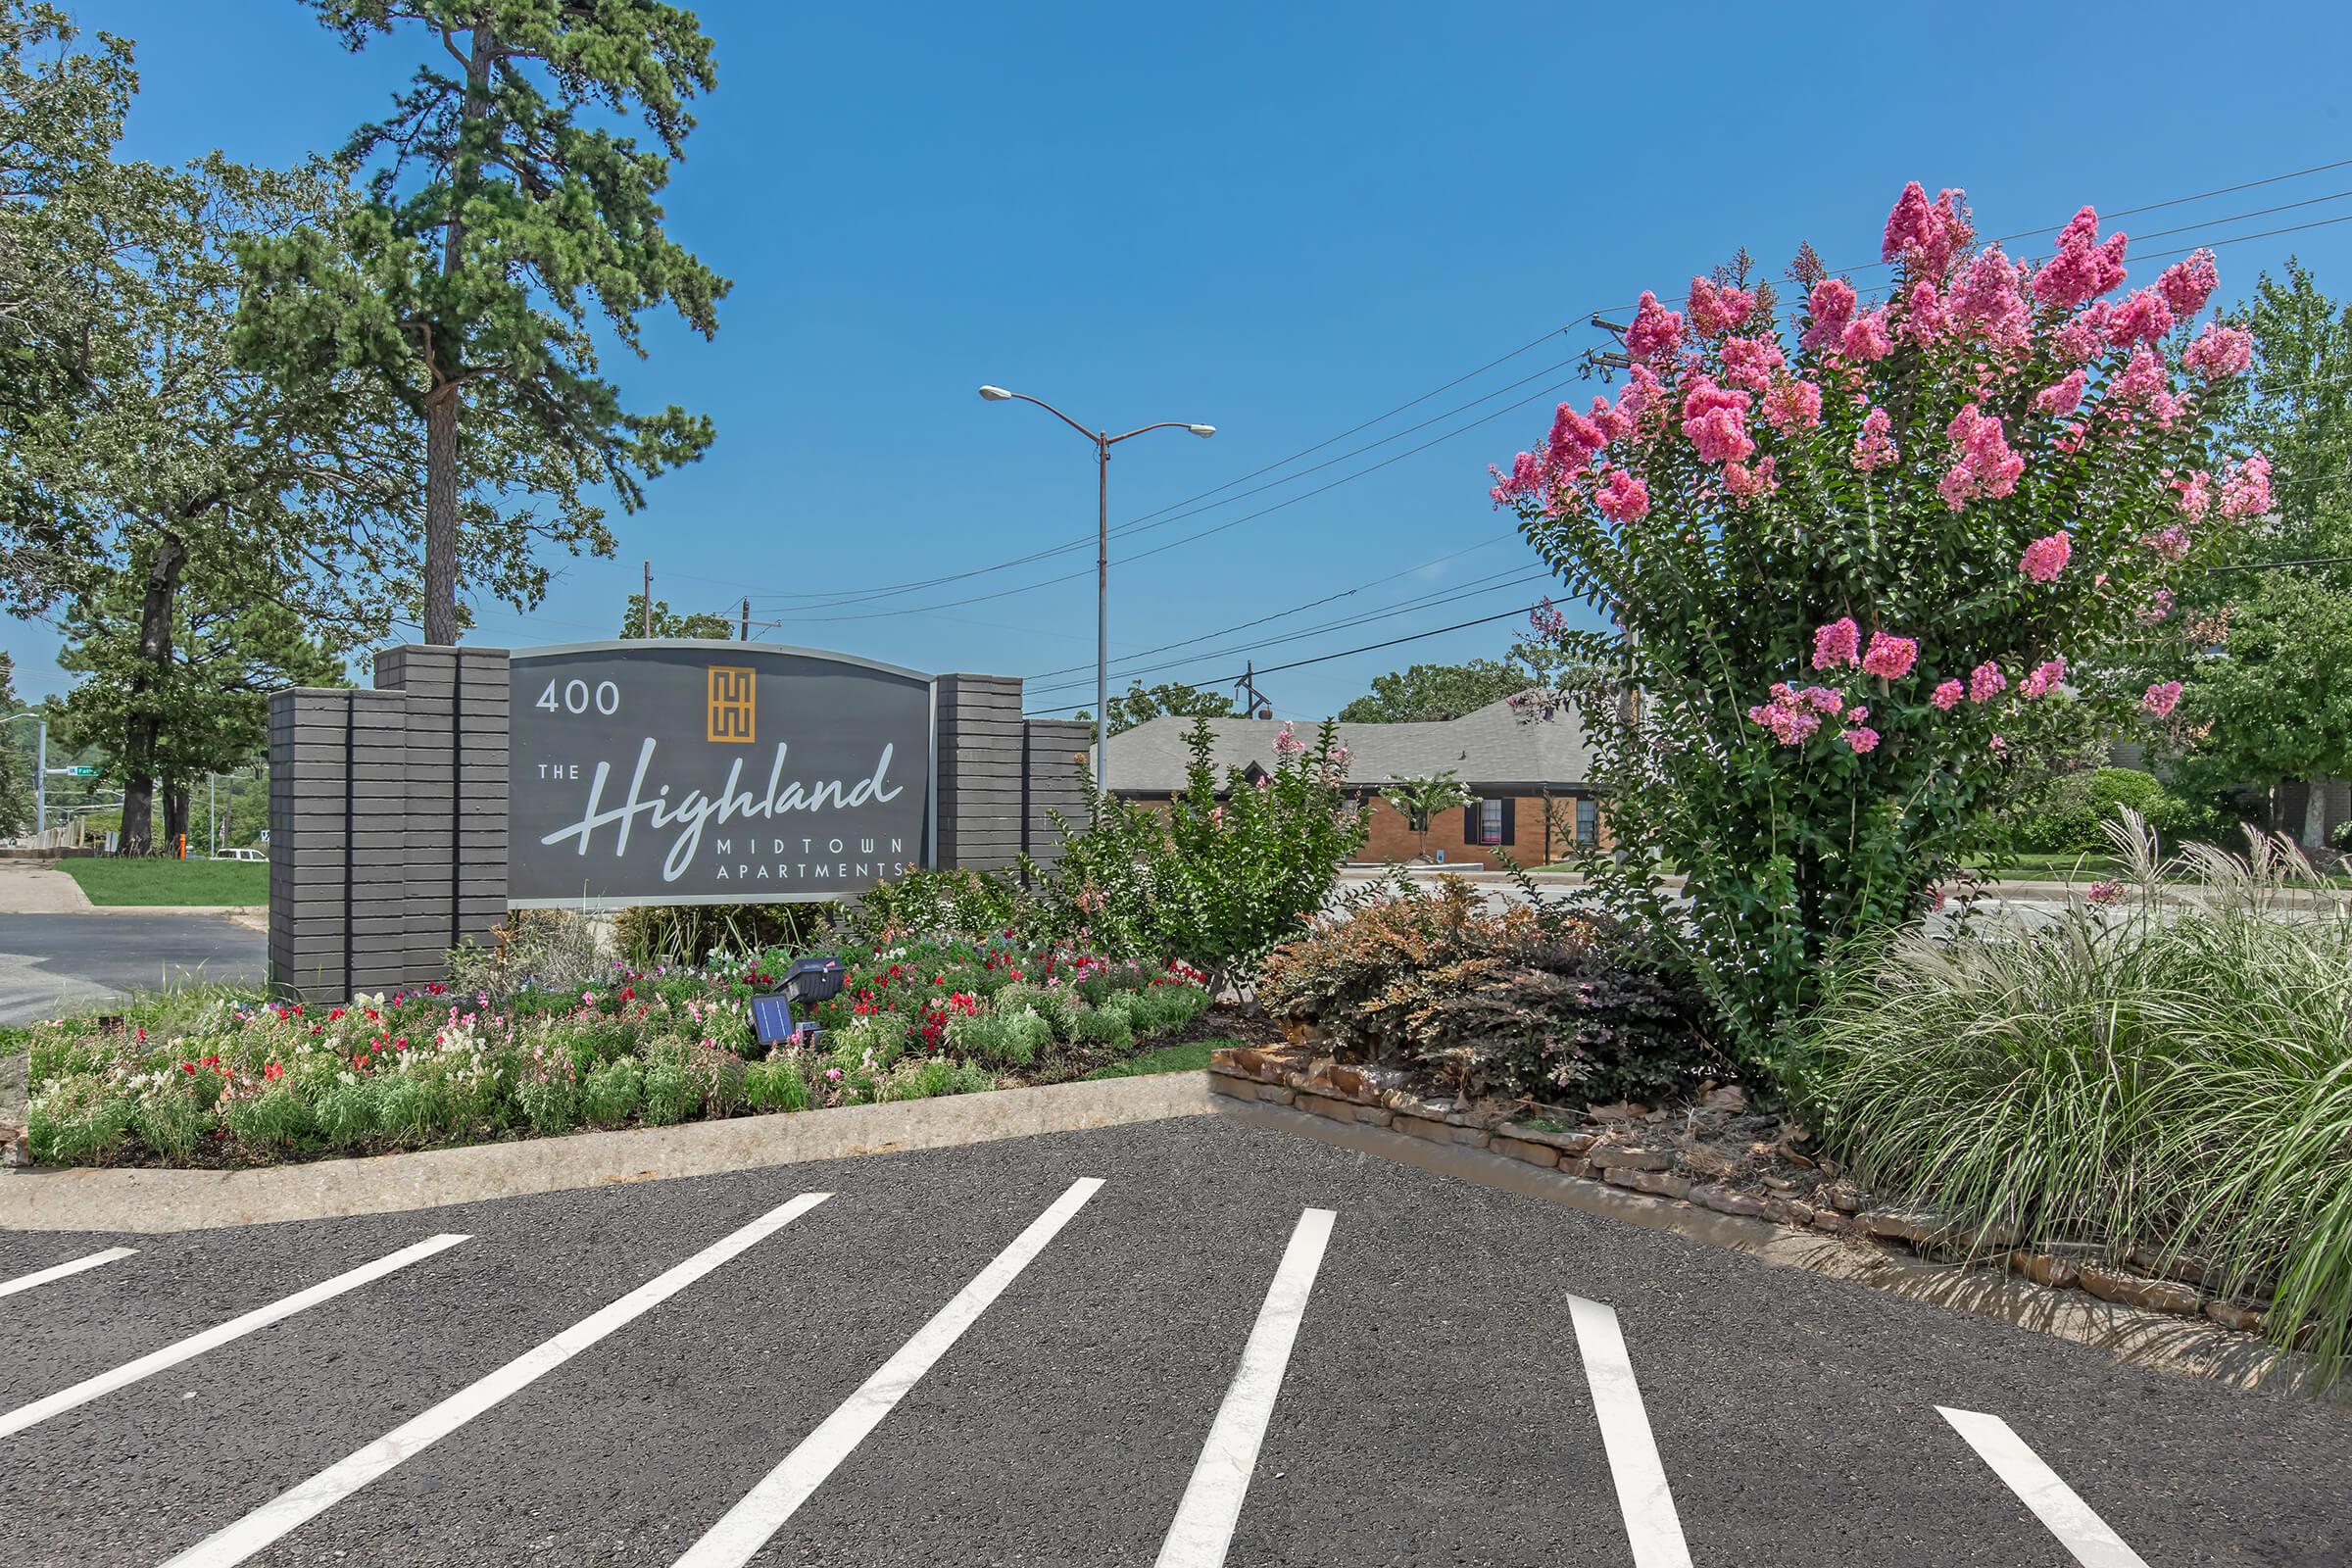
<point x="1656" y="331"/>
<point x="1791" y="406"/>
<point x="1832" y="304"/>
<point x="1716" y="308"/>
<point x="1923" y="237"/>
<point x="2246" y="493"/>
<point x="2187" y="285"/>
<point x="1985" y="682"/>
<point x="1861" y="737"/>
<point x="1946" y="694"/>
<point x="2084" y="268"/>
<point x="2219" y="352"/>
<point x="1987" y="298"/>
<point x="2143" y="317"/>
<point x="1622" y="498"/>
<point x="2167" y="543"/>
<point x="1793" y="715"/>
<point x="1874" y="448"/>
<point x="2195" y="497"/>
<point x="1287" y="743"/>
<point x="1982" y="463"/>
<point x="1752" y="362"/>
<point x="2162" y="698"/>
<point x="2048" y="677"/>
<point x="1715" y="421"/>
<point x="1746" y="484"/>
<point x="2045" y="558"/>
<point x="1890" y="658"/>
<point x="2062" y="397"/>
<point x="1837" y="643"/>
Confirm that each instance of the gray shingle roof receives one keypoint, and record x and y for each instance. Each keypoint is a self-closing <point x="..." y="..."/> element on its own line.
<point x="1489" y="747"/>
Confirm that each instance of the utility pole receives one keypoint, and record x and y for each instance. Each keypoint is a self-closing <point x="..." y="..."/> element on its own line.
<point x="646" y="628"/>
<point x="747" y="619"/>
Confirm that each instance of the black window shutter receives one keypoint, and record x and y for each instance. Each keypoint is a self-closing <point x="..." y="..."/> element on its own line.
<point x="1508" y="802"/>
<point x="1470" y="823"/>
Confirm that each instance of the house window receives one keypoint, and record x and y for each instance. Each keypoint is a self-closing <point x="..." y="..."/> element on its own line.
<point x="1588" y="820"/>
<point x="1490" y="821"/>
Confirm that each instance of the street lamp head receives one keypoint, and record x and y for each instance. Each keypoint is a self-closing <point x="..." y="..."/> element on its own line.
<point x="1203" y="432"/>
<point x="994" y="394"/>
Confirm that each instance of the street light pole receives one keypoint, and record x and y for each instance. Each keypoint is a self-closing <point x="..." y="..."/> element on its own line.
<point x="1103" y="441"/>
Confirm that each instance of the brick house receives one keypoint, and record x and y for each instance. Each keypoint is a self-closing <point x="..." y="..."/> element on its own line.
<point x="1529" y="780"/>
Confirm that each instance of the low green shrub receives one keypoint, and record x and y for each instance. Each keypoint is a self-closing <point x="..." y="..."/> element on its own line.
<point x="2172" y="1074"/>
<point x="1106" y="1028"/>
<point x="670" y="935"/>
<point x="962" y="903"/>
<point x="611" y="1092"/>
<point x="1000" y="1038"/>
<point x="776" y="1084"/>
<point x="1515" y="1003"/>
<point x="1053" y="1004"/>
<point x="2070" y="815"/>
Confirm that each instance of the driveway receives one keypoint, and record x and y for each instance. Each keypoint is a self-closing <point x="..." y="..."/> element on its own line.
<point x="50" y="963"/>
<point x="1187" y="1342"/>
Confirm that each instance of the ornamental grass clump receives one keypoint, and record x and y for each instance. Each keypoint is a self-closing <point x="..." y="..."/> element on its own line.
<point x="2168" y="1072"/>
<point x="1862" y="560"/>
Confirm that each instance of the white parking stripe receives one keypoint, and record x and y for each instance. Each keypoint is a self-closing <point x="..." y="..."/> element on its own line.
<point x="26" y="1282"/>
<point x="211" y="1339"/>
<point x="745" y="1528"/>
<point x="297" y="1504"/>
<point x="1643" y="1496"/>
<point x="1212" y="1498"/>
<point x="2054" y="1503"/>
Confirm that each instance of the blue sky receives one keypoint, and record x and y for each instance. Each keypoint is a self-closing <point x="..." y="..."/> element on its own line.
<point x="1278" y="219"/>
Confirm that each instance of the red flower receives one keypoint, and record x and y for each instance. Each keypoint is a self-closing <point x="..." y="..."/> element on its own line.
<point x="273" y="1072"/>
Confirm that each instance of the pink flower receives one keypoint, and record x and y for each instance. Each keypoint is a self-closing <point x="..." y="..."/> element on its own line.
<point x="1791" y="719"/>
<point x="2167" y="544"/>
<point x="1656" y="331"/>
<point x="1611" y="424"/>
<point x="1924" y="318"/>
<point x="1792" y="405"/>
<point x="1526" y="478"/>
<point x="1832" y="304"/>
<point x="1824" y="700"/>
<point x="1837" y="644"/>
<point x="1925" y="237"/>
<point x="1865" y="337"/>
<point x="1874" y="448"/>
<point x="1751" y="361"/>
<point x="2048" y="677"/>
<point x="1715" y="421"/>
<point x="2195" y="496"/>
<point x="1574" y="441"/>
<point x="2084" y="268"/>
<point x="1622" y="498"/>
<point x="1716" y="310"/>
<point x="1983" y="465"/>
<point x="1643" y="391"/>
<point x="1287" y="742"/>
<point x="2159" y="608"/>
<point x="2162" y="698"/>
<point x="2187" y="285"/>
<point x="2143" y="317"/>
<point x="1890" y="658"/>
<point x="2246" y="493"/>
<point x="1746" y="483"/>
<point x="1985" y="682"/>
<point x="1987" y="298"/>
<point x="1946" y="694"/>
<point x="2142" y="378"/>
<point x="2045" y="558"/>
<point x="1862" y="738"/>
<point x="2107" y="890"/>
<point x="2061" y="397"/>
<point x="2219" y="352"/>
<point x="2080" y="339"/>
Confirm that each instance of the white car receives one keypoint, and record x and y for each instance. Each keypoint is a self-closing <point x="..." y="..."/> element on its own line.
<point x="243" y="855"/>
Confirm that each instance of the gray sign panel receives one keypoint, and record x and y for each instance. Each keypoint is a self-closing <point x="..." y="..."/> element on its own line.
<point x="712" y="773"/>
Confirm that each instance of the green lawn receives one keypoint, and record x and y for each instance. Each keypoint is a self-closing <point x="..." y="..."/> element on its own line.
<point x="110" y="881"/>
<point x="1189" y="1057"/>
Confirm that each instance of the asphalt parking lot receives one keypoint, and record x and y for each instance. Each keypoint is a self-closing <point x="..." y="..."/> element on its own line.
<point x="55" y="964"/>
<point x="1187" y="1342"/>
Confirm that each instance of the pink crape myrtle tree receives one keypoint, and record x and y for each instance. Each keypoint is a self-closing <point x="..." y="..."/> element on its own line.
<point x="1859" y="563"/>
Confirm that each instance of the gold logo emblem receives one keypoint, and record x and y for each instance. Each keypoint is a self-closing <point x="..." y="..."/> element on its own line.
<point x="731" y="705"/>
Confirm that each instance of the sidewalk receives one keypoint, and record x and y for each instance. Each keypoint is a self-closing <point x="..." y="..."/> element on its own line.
<point x="38" y="887"/>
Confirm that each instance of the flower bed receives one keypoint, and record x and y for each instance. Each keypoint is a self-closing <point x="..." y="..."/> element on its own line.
<point x="222" y="1078"/>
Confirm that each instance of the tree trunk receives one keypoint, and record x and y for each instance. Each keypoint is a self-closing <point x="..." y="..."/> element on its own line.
<point x="448" y="366"/>
<point x="441" y="518"/>
<point x="146" y="721"/>
<point x="2315" y="816"/>
<point x="176" y="814"/>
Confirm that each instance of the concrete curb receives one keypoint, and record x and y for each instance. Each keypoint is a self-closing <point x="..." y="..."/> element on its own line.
<point x="155" y="1201"/>
<point x="2189" y="1347"/>
<point x="230" y="909"/>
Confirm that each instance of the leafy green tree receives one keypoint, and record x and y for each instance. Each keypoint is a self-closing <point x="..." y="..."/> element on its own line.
<point x="65" y="208"/>
<point x="2258" y="644"/>
<point x="500" y="222"/>
<point x="1421" y="799"/>
<point x="1140" y="706"/>
<point x="1430" y="692"/>
<point x="23" y="749"/>
<point x="205" y="708"/>
<point x="667" y="623"/>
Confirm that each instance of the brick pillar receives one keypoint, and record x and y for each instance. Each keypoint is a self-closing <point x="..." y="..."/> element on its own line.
<point x="455" y="844"/>
<point x="1051" y="781"/>
<point x="338" y="802"/>
<point x="980" y="746"/>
